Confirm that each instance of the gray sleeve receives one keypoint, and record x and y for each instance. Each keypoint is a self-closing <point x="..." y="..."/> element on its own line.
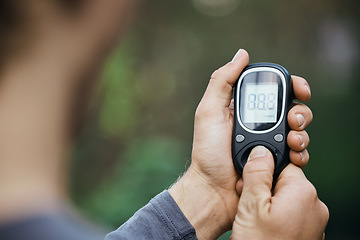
<point x="161" y="218"/>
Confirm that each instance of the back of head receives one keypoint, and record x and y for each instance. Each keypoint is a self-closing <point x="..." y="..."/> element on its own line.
<point x="19" y="19"/>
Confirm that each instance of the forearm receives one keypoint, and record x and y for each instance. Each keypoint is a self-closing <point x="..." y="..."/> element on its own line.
<point x="202" y="205"/>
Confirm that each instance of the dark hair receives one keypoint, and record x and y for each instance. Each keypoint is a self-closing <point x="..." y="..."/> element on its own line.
<point x="15" y="23"/>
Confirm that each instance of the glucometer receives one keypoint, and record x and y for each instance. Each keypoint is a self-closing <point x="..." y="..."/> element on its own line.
<point x="263" y="96"/>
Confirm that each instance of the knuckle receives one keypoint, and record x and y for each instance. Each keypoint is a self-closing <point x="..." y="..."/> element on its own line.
<point x="220" y="83"/>
<point x="202" y="111"/>
<point x="198" y="112"/>
<point x="215" y="74"/>
<point x="255" y="164"/>
<point x="310" y="190"/>
<point x="326" y="212"/>
<point x="255" y="205"/>
<point x="222" y="71"/>
<point x="257" y="168"/>
<point x="250" y="205"/>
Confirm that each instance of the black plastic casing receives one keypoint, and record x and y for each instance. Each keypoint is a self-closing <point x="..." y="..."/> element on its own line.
<point x="280" y="150"/>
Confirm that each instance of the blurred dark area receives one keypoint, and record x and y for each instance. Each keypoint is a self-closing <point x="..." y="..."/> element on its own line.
<point x="139" y="138"/>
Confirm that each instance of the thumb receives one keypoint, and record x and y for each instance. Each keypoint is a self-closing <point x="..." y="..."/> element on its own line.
<point x="258" y="177"/>
<point x="219" y="91"/>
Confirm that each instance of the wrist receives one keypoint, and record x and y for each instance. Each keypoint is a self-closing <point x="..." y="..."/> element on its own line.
<point x="202" y="205"/>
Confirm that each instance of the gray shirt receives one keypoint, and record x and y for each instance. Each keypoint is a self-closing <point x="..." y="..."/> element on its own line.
<point x="63" y="224"/>
<point x="161" y="218"/>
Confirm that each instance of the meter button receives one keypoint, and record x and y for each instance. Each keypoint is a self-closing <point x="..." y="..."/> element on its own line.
<point x="240" y="138"/>
<point x="279" y="137"/>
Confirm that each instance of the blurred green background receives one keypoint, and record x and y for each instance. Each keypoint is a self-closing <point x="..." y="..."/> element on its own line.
<point x="139" y="138"/>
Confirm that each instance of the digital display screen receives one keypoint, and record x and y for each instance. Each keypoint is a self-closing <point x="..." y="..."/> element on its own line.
<point x="260" y="103"/>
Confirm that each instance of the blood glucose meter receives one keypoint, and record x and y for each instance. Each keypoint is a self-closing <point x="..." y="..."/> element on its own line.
<point x="263" y="96"/>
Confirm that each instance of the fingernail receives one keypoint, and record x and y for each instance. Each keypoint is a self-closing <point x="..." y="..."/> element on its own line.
<point x="308" y="89"/>
<point x="302" y="143"/>
<point x="301" y="119"/>
<point x="301" y="156"/>
<point x="257" y="152"/>
<point x="237" y="55"/>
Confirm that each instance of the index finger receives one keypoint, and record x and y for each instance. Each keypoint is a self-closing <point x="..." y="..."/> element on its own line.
<point x="301" y="88"/>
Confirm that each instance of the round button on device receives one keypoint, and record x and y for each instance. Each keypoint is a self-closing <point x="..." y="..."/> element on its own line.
<point x="279" y="137"/>
<point x="240" y="138"/>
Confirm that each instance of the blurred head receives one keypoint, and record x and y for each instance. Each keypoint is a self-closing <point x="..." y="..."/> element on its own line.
<point x="51" y="53"/>
<point x="74" y="30"/>
<point x="70" y="38"/>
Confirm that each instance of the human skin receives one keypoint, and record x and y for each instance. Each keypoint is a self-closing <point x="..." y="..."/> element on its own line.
<point x="211" y="178"/>
<point x="291" y="211"/>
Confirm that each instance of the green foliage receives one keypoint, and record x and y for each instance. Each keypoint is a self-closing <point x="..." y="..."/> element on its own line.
<point x="148" y="167"/>
<point x="118" y="112"/>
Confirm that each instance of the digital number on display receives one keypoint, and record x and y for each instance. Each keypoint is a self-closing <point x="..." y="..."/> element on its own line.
<point x="260" y="103"/>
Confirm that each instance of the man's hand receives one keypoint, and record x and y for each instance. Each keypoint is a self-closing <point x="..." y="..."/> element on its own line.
<point x="292" y="211"/>
<point x="208" y="187"/>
